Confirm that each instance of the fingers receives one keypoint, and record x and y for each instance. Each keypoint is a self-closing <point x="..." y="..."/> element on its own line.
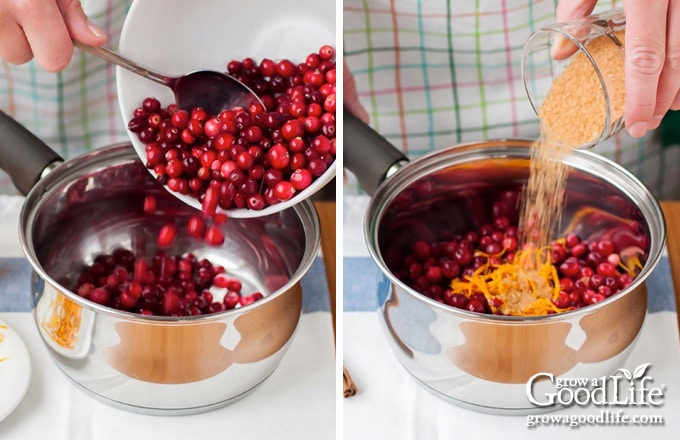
<point x="44" y="29"/>
<point x="46" y="33"/>
<point x="645" y="56"/>
<point x="14" y="47"/>
<point x="669" y="80"/>
<point x="79" y="26"/>
<point x="568" y="10"/>
<point x="350" y="95"/>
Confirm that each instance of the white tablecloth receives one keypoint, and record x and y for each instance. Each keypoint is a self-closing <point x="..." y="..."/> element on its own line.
<point x="390" y="404"/>
<point x="296" y="402"/>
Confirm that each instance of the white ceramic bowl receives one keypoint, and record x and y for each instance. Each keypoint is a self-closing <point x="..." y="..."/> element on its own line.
<point x="15" y="370"/>
<point x="177" y="37"/>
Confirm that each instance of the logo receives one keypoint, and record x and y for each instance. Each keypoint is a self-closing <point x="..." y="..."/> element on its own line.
<point x="626" y="389"/>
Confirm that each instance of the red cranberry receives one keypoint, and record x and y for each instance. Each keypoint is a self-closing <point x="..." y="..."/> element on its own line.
<point x="422" y="250"/>
<point x="167" y="235"/>
<point x="326" y="52"/>
<point x="234" y="66"/>
<point x="149" y="204"/>
<point x="278" y="157"/>
<point x="285" y="68"/>
<point x="586" y="272"/>
<point x="214" y="236"/>
<point x="100" y="296"/>
<point x="493" y="248"/>
<point x="301" y="179"/>
<point x="475" y="306"/>
<point x="210" y="201"/>
<point x="563" y="300"/>
<point x="151" y="105"/>
<point x="462" y="256"/>
<point x="434" y="274"/>
<point x="605" y="247"/>
<point x="606" y="269"/>
<point x="571" y="240"/>
<point x="317" y="167"/>
<point x="457" y="300"/>
<point x="284" y="190"/>
<point x="84" y="289"/>
<point x="267" y="67"/>
<point x="566" y="284"/>
<point x="509" y="244"/>
<point x="256" y="202"/>
<point x="196" y="226"/>
<point x="593" y="259"/>
<point x="329" y="104"/>
<point x="579" y="250"/>
<point x="570" y="267"/>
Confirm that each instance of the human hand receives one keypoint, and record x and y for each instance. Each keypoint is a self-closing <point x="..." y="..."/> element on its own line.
<point x="350" y="96"/>
<point x="652" y="62"/>
<point x="44" y="29"/>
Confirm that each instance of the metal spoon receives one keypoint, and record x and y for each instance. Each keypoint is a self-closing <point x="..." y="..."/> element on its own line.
<point x="214" y="91"/>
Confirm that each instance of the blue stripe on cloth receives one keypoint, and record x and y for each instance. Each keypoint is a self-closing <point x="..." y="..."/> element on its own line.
<point x="661" y="295"/>
<point x="15" y="287"/>
<point x="315" y="295"/>
<point x="362" y="277"/>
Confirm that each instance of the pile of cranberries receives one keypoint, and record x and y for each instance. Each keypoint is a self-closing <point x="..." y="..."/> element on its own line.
<point x="589" y="270"/>
<point x="247" y="157"/>
<point x="165" y="286"/>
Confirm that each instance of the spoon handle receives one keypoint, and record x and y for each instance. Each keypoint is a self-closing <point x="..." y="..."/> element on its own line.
<point x="118" y="60"/>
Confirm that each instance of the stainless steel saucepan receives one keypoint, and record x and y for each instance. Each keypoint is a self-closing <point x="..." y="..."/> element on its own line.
<point x="93" y="204"/>
<point x="481" y="361"/>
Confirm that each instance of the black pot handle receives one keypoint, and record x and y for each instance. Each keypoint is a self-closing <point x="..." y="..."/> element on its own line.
<point x="22" y="155"/>
<point x="367" y="154"/>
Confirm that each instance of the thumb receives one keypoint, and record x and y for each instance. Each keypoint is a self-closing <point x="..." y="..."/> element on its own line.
<point x="568" y="10"/>
<point x="79" y="26"/>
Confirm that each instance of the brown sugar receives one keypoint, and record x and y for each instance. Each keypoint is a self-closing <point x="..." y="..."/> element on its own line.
<point x="574" y="109"/>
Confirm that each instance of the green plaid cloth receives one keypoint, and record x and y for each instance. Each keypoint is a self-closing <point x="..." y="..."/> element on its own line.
<point x="436" y="73"/>
<point x="75" y="110"/>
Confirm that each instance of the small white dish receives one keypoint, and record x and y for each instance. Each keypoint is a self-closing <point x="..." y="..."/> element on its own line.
<point x="15" y="370"/>
<point x="175" y="37"/>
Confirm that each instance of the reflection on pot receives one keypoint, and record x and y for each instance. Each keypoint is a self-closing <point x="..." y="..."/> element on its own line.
<point x="172" y="353"/>
<point x="513" y="352"/>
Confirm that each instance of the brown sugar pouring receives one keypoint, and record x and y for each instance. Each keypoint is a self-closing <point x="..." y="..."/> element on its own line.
<point x="584" y="98"/>
<point x="582" y="65"/>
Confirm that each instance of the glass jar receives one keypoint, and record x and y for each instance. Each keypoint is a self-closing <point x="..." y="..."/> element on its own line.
<point x="573" y="74"/>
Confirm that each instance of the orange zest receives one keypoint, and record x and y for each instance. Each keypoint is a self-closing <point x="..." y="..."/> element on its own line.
<point x="527" y="286"/>
<point x="632" y="267"/>
<point x="64" y="322"/>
